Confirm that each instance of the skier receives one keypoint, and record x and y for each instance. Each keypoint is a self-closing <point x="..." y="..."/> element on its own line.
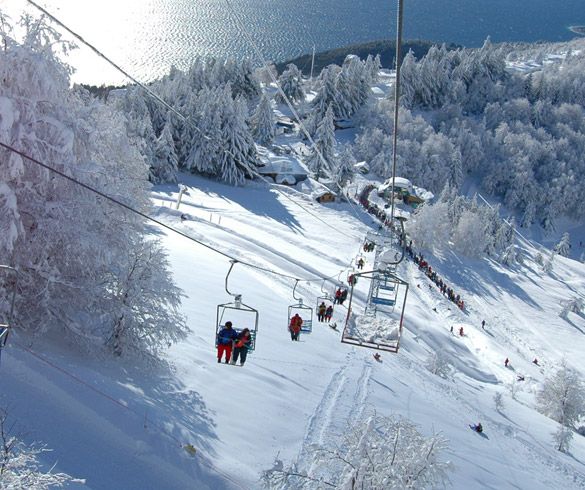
<point x="351" y="280"/>
<point x="225" y="342"/>
<point x="328" y="313"/>
<point x="451" y="328"/>
<point x="378" y="357"/>
<point x="321" y="311"/>
<point x="520" y="377"/>
<point x="241" y="346"/>
<point x="461" y="332"/>
<point x="535" y="361"/>
<point x="337" y="299"/>
<point x="295" y="326"/>
<point x="360" y="264"/>
<point x="483" y="324"/>
<point x="343" y="296"/>
<point x="477" y="428"/>
<point x="506" y="362"/>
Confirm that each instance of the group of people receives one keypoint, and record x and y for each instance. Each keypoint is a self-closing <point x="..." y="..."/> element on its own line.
<point x="324" y="312"/>
<point x="369" y="246"/>
<point x="433" y="276"/>
<point x="233" y="344"/>
<point x="340" y="296"/>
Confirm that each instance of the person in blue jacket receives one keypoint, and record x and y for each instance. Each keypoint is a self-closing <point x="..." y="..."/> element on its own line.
<point x="225" y="342"/>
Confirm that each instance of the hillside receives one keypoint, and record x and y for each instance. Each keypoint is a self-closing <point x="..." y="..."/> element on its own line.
<point x="121" y="426"/>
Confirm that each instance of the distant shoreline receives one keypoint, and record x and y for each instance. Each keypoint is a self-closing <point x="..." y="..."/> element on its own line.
<point x="578" y="30"/>
<point x="385" y="48"/>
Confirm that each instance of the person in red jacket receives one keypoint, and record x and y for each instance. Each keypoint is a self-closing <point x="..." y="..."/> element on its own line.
<point x="296" y="322"/>
<point x="241" y="346"/>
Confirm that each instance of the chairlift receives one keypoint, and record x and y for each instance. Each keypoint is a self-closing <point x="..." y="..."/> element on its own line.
<point x="241" y="315"/>
<point x="7" y="303"/>
<point x="304" y="311"/>
<point x="379" y="324"/>
<point x="325" y="297"/>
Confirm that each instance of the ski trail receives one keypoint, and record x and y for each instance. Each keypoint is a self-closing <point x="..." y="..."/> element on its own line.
<point x="342" y="405"/>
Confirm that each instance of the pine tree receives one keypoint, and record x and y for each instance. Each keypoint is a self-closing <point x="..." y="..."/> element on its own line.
<point x="322" y="154"/>
<point x="564" y="246"/>
<point x="263" y="125"/>
<point x="343" y="171"/>
<point x="164" y="168"/>
<point x="291" y="83"/>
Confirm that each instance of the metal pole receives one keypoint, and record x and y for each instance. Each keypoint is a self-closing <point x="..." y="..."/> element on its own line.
<point x="312" y="65"/>
<point x="396" y="100"/>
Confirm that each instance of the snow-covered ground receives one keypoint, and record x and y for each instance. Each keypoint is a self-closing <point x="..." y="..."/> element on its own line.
<point x="123" y="426"/>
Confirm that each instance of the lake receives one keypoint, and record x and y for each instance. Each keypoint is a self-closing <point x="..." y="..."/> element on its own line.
<point x="148" y="36"/>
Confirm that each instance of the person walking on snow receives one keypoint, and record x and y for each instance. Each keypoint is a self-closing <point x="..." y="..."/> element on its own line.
<point x="321" y="312"/>
<point x="241" y="346"/>
<point x="328" y="313"/>
<point x="295" y="326"/>
<point x="225" y="342"/>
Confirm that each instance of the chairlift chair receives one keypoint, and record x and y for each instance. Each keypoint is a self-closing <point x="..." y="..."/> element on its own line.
<point x="325" y="297"/>
<point x="241" y="315"/>
<point x="304" y="311"/>
<point x="379" y="324"/>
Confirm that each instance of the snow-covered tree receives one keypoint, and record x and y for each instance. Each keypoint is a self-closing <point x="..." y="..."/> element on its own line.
<point x="291" y="83"/>
<point x="76" y="242"/>
<point x="380" y="452"/>
<point x="574" y="305"/>
<point x="20" y="467"/>
<point x="322" y="155"/>
<point x="564" y="246"/>
<point x="547" y="266"/>
<point x="327" y="93"/>
<point x="438" y="364"/>
<point x="509" y="256"/>
<point x="343" y="171"/>
<point x="263" y="125"/>
<point x="165" y="166"/>
<point x="562" y="397"/>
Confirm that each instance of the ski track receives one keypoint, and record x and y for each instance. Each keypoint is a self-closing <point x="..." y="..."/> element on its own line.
<point x="342" y="405"/>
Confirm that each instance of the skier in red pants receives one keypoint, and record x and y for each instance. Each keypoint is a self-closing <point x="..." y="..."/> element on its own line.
<point x="225" y="342"/>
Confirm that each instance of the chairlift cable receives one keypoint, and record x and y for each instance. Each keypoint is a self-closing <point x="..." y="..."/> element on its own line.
<point x="283" y="95"/>
<point x="150" y="218"/>
<point x="182" y="117"/>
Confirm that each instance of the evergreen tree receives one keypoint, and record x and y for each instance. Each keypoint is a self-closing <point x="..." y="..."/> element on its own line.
<point x="344" y="169"/>
<point x="291" y="83"/>
<point x="564" y="246"/>
<point x="263" y="125"/>
<point x="322" y="153"/>
<point x="165" y="166"/>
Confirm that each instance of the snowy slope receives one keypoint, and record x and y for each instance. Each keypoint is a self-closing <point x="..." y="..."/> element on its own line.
<point x="122" y="426"/>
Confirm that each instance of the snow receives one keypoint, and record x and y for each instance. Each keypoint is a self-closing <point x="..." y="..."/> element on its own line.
<point x="239" y="419"/>
<point x="123" y="426"/>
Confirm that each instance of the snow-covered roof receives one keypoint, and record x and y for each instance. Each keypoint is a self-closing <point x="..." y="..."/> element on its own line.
<point x="280" y="164"/>
<point x="398" y="182"/>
